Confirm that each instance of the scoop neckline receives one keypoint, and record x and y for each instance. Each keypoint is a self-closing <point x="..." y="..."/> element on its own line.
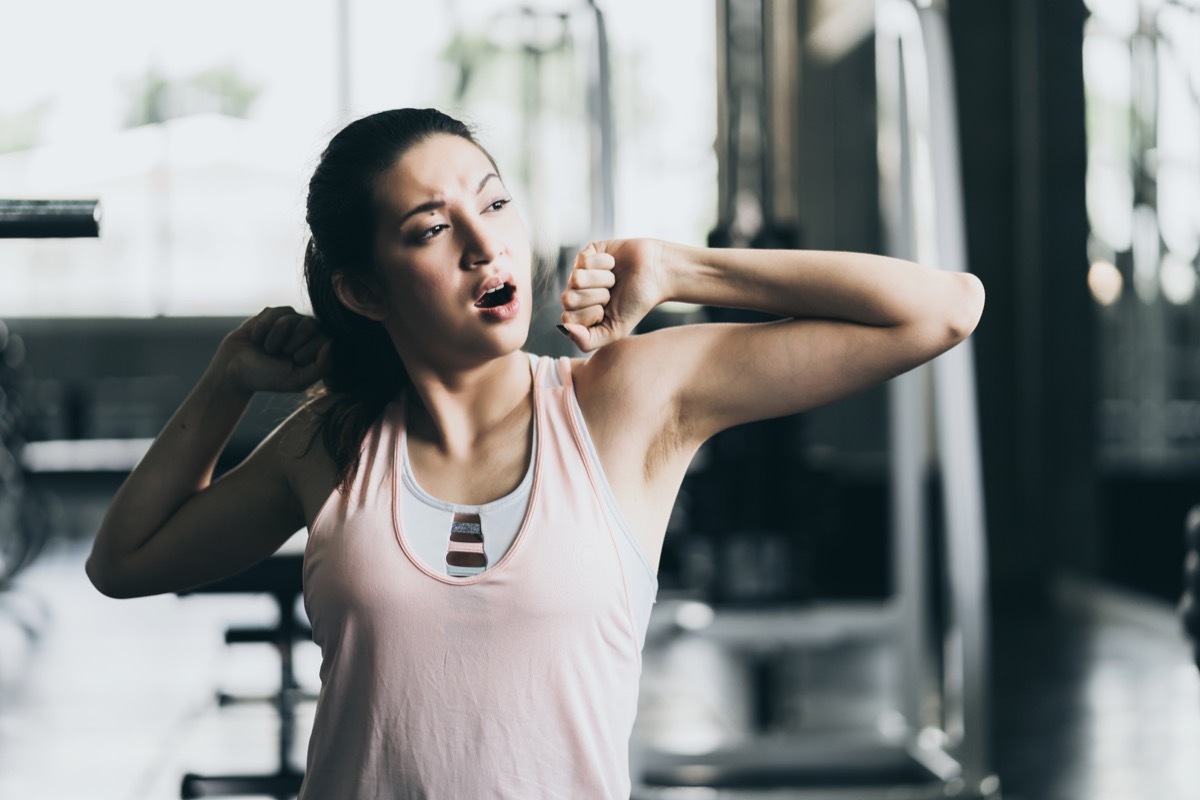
<point x="414" y="486"/>
<point x="534" y="469"/>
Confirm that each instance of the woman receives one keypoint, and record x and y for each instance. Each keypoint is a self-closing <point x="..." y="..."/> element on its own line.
<point x="485" y="526"/>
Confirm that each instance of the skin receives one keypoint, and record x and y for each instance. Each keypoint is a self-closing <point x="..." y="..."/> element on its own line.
<point x="649" y="401"/>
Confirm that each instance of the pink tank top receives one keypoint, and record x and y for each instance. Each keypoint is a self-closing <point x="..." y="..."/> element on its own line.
<point x="517" y="683"/>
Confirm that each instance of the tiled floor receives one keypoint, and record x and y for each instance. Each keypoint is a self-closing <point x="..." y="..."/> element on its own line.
<point x="115" y="700"/>
<point x="1099" y="703"/>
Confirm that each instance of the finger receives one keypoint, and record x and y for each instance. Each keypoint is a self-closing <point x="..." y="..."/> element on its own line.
<point x="308" y="352"/>
<point x="578" y="335"/>
<point x="311" y="373"/>
<point x="592" y="279"/>
<point x="589" y="258"/>
<point x="302" y="333"/>
<point x="260" y="324"/>
<point x="587" y="317"/>
<point x="279" y="333"/>
<point x="589" y="339"/>
<point x="573" y="299"/>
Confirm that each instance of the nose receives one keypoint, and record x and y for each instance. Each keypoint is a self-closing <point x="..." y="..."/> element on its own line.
<point x="481" y="245"/>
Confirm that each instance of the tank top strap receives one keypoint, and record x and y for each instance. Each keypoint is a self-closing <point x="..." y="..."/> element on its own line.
<point x="563" y="368"/>
<point x="552" y="372"/>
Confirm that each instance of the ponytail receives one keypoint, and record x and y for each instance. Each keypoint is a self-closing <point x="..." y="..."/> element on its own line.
<point x="365" y="373"/>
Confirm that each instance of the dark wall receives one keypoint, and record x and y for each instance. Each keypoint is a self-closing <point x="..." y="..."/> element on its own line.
<point x="123" y="378"/>
<point x="115" y="379"/>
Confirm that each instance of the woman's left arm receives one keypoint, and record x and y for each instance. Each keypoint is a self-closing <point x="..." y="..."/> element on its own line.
<point x="853" y="320"/>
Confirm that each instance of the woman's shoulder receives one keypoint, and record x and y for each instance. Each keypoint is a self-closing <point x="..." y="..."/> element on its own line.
<point x="298" y="436"/>
<point x="617" y="368"/>
<point x="303" y="455"/>
<point x="618" y="386"/>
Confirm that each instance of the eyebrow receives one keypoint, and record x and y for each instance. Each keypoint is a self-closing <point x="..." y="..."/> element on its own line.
<point x="433" y="205"/>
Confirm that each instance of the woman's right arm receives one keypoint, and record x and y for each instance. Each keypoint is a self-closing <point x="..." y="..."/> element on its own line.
<point x="170" y="526"/>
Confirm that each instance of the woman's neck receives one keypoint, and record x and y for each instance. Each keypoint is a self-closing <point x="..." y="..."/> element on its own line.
<point x="455" y="410"/>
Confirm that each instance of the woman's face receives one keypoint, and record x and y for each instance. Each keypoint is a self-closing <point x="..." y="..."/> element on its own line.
<point x="453" y="256"/>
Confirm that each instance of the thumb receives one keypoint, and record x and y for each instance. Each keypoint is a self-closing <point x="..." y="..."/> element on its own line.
<point x="586" y="339"/>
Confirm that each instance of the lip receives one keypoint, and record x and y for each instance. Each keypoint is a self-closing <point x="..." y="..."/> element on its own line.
<point x="505" y="312"/>
<point x="497" y="280"/>
<point x="499" y="313"/>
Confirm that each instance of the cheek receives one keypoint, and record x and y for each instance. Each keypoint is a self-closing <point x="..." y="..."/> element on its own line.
<point x="417" y="283"/>
<point x="435" y="279"/>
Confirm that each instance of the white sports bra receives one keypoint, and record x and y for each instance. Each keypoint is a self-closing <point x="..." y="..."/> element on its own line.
<point x="427" y="521"/>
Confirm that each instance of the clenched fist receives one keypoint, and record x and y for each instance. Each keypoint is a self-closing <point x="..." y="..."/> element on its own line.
<point x="277" y="350"/>
<point x="613" y="285"/>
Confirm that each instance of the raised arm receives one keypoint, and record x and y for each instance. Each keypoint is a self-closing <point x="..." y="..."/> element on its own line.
<point x="853" y="320"/>
<point x="170" y="527"/>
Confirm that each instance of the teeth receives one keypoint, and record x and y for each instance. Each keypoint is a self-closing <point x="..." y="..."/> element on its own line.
<point x="498" y="288"/>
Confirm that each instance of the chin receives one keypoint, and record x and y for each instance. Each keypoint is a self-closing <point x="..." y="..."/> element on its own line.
<point x="514" y="338"/>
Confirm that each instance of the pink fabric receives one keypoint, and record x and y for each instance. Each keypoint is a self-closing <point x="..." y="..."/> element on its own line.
<point x="520" y="682"/>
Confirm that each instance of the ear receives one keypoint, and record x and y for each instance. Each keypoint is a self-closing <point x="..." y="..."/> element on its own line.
<point x="356" y="295"/>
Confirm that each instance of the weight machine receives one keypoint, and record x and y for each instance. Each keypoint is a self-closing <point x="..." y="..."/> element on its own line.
<point x="936" y="741"/>
<point x="21" y="536"/>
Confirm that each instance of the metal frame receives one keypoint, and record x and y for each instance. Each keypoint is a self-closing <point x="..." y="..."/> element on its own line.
<point x="920" y="184"/>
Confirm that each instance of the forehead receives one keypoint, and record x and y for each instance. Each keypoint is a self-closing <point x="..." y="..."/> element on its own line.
<point x="439" y="166"/>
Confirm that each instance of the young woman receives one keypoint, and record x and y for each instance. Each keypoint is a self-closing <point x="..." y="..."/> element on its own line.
<point x="485" y="525"/>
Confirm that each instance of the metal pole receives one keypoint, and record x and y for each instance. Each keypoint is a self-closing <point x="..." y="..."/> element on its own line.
<point x="604" y="157"/>
<point x="344" y="106"/>
<point x="49" y="219"/>
<point x="929" y="167"/>
<point x="908" y="399"/>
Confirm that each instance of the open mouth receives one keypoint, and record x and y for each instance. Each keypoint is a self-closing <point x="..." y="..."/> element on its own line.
<point x="498" y="296"/>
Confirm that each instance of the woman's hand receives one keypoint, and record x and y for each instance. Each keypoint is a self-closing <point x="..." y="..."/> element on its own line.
<point x="613" y="285"/>
<point x="277" y="350"/>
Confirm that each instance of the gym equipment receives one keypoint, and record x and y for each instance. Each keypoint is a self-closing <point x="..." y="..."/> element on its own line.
<point x="1189" y="603"/>
<point x="49" y="218"/>
<point x="935" y="743"/>
<point x="21" y="536"/>
<point x="279" y="576"/>
<point x="924" y="216"/>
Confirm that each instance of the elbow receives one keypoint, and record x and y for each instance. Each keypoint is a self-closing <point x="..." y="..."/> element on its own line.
<point x="106" y="578"/>
<point x="965" y="307"/>
<point x="100" y="577"/>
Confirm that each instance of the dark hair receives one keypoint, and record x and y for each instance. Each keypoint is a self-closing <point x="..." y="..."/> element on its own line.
<point x="366" y="371"/>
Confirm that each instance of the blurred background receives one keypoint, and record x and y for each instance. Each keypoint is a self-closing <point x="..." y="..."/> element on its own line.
<point x="965" y="583"/>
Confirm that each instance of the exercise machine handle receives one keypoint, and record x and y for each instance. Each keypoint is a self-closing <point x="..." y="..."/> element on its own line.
<point x="49" y="218"/>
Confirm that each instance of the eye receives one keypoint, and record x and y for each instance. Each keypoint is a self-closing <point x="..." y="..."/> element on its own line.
<point x="429" y="233"/>
<point x="499" y="204"/>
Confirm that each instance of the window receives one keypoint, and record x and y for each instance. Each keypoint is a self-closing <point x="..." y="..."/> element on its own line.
<point x="199" y="125"/>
